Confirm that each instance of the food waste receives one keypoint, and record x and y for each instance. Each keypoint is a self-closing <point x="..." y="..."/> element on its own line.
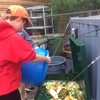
<point x="64" y="91"/>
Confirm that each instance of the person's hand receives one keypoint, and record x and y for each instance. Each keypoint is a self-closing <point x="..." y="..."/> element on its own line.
<point x="48" y="60"/>
<point x="40" y="58"/>
<point x="36" y="47"/>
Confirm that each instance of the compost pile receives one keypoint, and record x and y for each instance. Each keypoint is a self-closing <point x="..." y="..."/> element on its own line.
<point x="64" y="91"/>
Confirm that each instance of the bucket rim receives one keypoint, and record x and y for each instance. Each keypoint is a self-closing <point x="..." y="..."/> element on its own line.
<point x="59" y="62"/>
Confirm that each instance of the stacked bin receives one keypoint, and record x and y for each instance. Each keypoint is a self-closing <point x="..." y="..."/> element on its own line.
<point x="54" y="43"/>
<point x="41" y="42"/>
<point x="79" y="62"/>
<point x="88" y="29"/>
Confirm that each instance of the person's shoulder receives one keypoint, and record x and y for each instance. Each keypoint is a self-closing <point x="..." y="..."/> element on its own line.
<point x="16" y="36"/>
<point x="22" y="32"/>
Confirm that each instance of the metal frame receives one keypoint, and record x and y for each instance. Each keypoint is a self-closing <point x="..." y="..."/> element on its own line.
<point x="37" y="8"/>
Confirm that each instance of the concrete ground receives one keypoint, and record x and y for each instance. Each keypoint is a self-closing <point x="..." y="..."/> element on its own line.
<point x="31" y="94"/>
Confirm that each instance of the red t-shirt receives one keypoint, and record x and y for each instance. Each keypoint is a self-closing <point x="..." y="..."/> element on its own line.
<point x="13" y="51"/>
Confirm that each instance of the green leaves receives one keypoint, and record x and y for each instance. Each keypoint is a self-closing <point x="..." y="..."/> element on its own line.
<point x="63" y="6"/>
<point x="66" y="6"/>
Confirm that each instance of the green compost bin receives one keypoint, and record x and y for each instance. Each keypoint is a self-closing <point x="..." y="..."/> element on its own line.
<point x="54" y="43"/>
<point x="40" y="41"/>
<point x="80" y="74"/>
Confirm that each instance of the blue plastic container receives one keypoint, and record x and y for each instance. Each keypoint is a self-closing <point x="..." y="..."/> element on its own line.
<point x="34" y="73"/>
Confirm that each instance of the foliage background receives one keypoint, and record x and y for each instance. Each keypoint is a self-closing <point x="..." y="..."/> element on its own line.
<point x="66" y="6"/>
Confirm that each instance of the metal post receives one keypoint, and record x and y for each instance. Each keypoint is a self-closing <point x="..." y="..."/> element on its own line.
<point x="52" y="21"/>
<point x="44" y="20"/>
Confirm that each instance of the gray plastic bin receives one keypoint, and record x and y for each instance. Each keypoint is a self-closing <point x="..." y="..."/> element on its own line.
<point x="58" y="65"/>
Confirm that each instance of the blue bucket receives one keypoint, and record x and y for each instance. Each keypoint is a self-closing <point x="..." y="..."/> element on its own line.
<point x="34" y="73"/>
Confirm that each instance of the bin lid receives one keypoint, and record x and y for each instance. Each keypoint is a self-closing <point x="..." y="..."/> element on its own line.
<point x="79" y="61"/>
<point x="52" y="36"/>
<point x="40" y="41"/>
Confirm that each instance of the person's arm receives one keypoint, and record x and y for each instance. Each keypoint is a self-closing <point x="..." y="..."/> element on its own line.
<point x="39" y="58"/>
<point x="26" y="37"/>
<point x="26" y="54"/>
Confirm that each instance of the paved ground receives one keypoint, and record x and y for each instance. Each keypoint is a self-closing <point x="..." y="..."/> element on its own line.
<point x="32" y="94"/>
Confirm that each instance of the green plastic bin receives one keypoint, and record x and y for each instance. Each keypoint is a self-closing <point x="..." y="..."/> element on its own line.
<point x="79" y="63"/>
<point x="54" y="43"/>
<point x="40" y="41"/>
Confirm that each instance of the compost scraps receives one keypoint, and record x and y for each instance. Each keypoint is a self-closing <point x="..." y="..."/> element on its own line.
<point x="64" y="91"/>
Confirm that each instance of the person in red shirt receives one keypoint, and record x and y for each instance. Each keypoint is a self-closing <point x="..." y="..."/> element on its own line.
<point x="13" y="51"/>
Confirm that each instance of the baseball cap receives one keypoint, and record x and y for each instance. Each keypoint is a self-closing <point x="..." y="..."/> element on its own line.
<point x="18" y="11"/>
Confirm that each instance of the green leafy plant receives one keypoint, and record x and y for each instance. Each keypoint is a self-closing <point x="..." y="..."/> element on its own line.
<point x="66" y="6"/>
